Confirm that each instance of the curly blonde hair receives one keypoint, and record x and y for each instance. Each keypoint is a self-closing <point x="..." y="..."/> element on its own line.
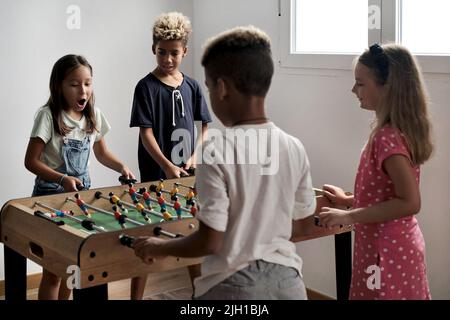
<point x="172" y="26"/>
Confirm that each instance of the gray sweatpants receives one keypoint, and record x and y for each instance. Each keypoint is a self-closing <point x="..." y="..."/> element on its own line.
<point x="261" y="280"/>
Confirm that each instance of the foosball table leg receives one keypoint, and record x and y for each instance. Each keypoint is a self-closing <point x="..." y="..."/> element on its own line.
<point x="194" y="272"/>
<point x="99" y="292"/>
<point x="15" y="275"/>
<point x="343" y="256"/>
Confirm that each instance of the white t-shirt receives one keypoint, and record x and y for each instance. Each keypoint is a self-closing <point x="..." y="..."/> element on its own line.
<point x="254" y="203"/>
<point x="43" y="128"/>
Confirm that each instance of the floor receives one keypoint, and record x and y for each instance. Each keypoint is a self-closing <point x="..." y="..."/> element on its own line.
<point x="169" y="285"/>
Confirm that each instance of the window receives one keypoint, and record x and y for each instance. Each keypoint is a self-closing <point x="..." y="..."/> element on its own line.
<point x="329" y="34"/>
<point x="422" y="23"/>
<point x="330" y="26"/>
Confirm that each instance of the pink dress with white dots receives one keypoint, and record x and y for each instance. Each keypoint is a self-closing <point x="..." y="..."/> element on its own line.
<point x="397" y="247"/>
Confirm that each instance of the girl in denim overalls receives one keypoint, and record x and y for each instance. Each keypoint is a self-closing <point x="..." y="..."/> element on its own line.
<point x="64" y="131"/>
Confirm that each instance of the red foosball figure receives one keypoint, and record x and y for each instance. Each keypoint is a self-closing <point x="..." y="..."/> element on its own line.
<point x="193" y="208"/>
<point x="82" y="205"/>
<point x="133" y="194"/>
<point x="119" y="217"/>
<point x="161" y="201"/>
<point x="177" y="207"/>
<point x="146" y="196"/>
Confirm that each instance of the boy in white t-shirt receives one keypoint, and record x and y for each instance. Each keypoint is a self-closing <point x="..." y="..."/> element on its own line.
<point x="254" y="184"/>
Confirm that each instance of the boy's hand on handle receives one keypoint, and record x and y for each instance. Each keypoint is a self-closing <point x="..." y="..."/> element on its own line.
<point x="172" y="171"/>
<point x="191" y="163"/>
<point x="336" y="195"/>
<point x="148" y="249"/>
<point x="71" y="184"/>
<point x="332" y="217"/>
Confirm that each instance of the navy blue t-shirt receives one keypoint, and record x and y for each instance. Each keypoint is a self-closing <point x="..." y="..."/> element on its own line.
<point x="164" y="108"/>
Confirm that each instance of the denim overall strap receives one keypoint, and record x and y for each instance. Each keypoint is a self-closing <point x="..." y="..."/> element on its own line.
<point x="75" y="154"/>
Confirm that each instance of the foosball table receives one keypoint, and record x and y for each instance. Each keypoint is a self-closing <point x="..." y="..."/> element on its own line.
<point x="85" y="236"/>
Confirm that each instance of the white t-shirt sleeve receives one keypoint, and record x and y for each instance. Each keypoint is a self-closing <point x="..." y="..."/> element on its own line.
<point x="43" y="125"/>
<point x="213" y="197"/>
<point x="103" y="125"/>
<point x="305" y="198"/>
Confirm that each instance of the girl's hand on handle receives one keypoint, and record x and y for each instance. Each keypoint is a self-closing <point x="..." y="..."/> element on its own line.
<point x="336" y="195"/>
<point x="70" y="183"/>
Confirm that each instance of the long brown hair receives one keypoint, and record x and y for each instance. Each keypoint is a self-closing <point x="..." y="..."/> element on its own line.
<point x="404" y="104"/>
<point x="56" y="101"/>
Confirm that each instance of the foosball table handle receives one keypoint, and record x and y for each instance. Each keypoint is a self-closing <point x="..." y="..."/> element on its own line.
<point x="158" y="231"/>
<point x="127" y="240"/>
<point x="42" y="215"/>
<point x="126" y="181"/>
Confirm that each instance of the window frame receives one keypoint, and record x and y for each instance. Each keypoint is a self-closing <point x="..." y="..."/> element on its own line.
<point x="389" y="33"/>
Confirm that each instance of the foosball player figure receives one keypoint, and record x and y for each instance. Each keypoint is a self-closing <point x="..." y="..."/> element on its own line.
<point x="140" y="207"/>
<point x="177" y="207"/>
<point x="133" y="194"/>
<point x="161" y="201"/>
<point x="189" y="196"/>
<point x="114" y="199"/>
<point x="82" y="205"/>
<point x="160" y="185"/>
<point x="146" y="197"/>
<point x="167" y="216"/>
<point x="63" y="213"/>
<point x="174" y="192"/>
<point x="119" y="217"/>
<point x="193" y="208"/>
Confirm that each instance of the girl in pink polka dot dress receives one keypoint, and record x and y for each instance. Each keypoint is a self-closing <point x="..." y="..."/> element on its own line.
<point x="389" y="252"/>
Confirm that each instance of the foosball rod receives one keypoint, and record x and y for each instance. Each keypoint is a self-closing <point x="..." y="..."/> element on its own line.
<point x="139" y="195"/>
<point x="99" y="195"/>
<point x="157" y="231"/>
<point x="107" y="212"/>
<point x="89" y="225"/>
<point x="168" y="192"/>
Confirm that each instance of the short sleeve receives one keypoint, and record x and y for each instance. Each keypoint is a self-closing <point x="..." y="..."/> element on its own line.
<point x="305" y="198"/>
<point x="141" y="111"/>
<point x="201" y="112"/>
<point x="43" y="125"/>
<point x="387" y="142"/>
<point x="103" y="125"/>
<point x="214" y="201"/>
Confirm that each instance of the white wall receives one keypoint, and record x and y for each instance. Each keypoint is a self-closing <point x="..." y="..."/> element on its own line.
<point x="318" y="108"/>
<point x="115" y="36"/>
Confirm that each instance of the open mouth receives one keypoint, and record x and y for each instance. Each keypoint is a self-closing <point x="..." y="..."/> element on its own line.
<point x="82" y="102"/>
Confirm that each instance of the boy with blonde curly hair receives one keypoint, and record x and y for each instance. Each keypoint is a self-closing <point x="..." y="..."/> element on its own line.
<point x="166" y="100"/>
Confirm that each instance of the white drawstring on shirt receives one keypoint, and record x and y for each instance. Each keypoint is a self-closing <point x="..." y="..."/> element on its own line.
<point x="176" y="94"/>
